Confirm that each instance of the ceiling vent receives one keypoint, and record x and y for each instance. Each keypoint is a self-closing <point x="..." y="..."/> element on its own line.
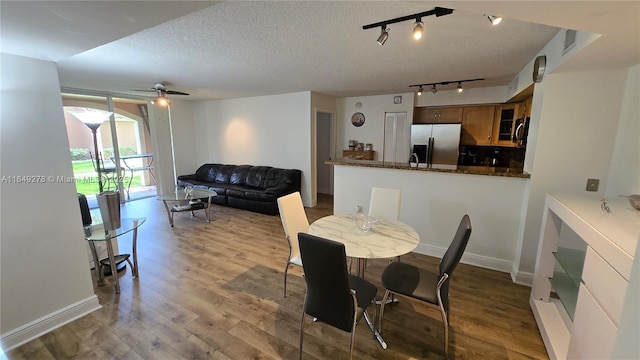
<point x="569" y="40"/>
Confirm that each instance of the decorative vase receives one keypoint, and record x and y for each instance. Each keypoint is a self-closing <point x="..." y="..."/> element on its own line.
<point x="109" y="203"/>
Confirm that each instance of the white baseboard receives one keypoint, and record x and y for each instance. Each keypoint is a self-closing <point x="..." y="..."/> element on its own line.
<point x="468" y="258"/>
<point x="45" y="324"/>
<point x="522" y="278"/>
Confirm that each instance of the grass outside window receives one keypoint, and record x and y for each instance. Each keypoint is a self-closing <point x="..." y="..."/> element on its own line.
<point x="86" y="178"/>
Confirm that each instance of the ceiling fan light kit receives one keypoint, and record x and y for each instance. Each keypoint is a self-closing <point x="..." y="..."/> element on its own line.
<point x="161" y="94"/>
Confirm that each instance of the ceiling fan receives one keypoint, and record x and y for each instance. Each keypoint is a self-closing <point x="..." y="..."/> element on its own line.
<point x="162" y="92"/>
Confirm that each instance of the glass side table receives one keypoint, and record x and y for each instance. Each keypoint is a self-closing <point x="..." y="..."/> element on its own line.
<point x="97" y="232"/>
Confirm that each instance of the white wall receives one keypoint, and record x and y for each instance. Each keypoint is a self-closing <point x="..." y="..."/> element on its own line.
<point x="433" y="204"/>
<point x="267" y="130"/>
<point x="373" y="108"/>
<point x="624" y="176"/>
<point x="578" y="121"/>
<point x="44" y="274"/>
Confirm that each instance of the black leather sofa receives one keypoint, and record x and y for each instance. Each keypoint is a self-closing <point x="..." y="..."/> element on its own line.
<point x="254" y="188"/>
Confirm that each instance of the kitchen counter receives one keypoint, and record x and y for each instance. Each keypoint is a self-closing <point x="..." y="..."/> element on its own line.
<point x="471" y="170"/>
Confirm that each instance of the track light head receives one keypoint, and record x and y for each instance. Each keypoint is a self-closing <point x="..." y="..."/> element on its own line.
<point x="384" y="35"/>
<point x="433" y="88"/>
<point x="494" y="20"/>
<point x="460" y="89"/>
<point x="420" y="90"/>
<point x="418" y="29"/>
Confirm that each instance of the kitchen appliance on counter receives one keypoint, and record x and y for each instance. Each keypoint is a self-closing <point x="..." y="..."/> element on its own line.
<point x="436" y="145"/>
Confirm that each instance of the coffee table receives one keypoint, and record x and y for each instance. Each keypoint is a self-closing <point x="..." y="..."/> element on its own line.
<point x="191" y="202"/>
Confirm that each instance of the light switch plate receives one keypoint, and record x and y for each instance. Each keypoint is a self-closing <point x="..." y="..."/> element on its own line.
<point x="592" y="184"/>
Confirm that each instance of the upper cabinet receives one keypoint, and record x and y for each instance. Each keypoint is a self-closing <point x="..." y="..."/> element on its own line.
<point x="435" y="115"/>
<point x="504" y="124"/>
<point x="481" y="124"/>
<point x="477" y="125"/>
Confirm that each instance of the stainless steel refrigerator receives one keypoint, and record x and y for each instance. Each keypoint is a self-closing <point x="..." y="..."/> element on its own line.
<point x="435" y="145"/>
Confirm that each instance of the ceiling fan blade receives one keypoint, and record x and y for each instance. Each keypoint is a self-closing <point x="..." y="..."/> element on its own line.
<point x="173" y="92"/>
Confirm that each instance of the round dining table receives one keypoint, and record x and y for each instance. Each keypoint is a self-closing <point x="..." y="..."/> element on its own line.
<point x="384" y="239"/>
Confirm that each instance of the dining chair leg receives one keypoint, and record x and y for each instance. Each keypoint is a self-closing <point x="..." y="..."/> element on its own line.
<point x="445" y="323"/>
<point x="382" y="304"/>
<point x="286" y="269"/>
<point x="301" y="333"/>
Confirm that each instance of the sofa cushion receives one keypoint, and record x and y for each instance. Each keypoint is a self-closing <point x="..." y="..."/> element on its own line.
<point x="256" y="176"/>
<point x="239" y="175"/>
<point x="223" y="175"/>
<point x="207" y="172"/>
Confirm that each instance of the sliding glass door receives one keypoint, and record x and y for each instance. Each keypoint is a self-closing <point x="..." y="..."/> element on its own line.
<point x="110" y="145"/>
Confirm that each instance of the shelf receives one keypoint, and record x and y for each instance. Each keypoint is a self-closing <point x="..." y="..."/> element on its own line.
<point x="567" y="291"/>
<point x="571" y="261"/>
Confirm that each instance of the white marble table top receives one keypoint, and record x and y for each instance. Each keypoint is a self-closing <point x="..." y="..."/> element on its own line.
<point x="385" y="239"/>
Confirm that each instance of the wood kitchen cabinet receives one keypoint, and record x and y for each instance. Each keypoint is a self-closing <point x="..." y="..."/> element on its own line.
<point x="477" y="125"/>
<point x="525" y="108"/>
<point x="435" y="115"/>
<point x="504" y="124"/>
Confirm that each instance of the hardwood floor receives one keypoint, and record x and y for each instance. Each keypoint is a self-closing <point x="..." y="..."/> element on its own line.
<point x="214" y="291"/>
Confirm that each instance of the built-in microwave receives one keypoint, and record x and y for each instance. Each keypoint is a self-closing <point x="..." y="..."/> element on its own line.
<point x="521" y="132"/>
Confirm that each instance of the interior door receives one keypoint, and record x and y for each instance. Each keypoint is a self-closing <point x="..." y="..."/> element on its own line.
<point x="396" y="138"/>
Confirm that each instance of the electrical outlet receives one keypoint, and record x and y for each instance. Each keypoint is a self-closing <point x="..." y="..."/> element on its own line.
<point x="592" y="184"/>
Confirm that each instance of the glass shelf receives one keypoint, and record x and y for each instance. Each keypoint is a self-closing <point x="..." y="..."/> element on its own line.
<point x="571" y="261"/>
<point x="567" y="291"/>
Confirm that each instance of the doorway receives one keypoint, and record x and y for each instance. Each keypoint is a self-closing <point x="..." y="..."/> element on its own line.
<point x="324" y="151"/>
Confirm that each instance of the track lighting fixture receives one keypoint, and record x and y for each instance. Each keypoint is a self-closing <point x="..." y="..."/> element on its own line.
<point x="418" y="29"/>
<point x="418" y="26"/>
<point x="435" y="90"/>
<point x="495" y="20"/>
<point x="384" y="35"/>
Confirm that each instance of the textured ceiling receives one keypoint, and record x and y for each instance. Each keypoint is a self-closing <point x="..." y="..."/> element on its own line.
<point x="237" y="48"/>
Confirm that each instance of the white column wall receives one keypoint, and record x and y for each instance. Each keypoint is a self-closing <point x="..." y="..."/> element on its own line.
<point x="43" y="265"/>
<point x="578" y="121"/>
<point x="624" y="176"/>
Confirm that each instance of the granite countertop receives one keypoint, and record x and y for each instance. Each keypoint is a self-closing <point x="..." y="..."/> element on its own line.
<point x="471" y="170"/>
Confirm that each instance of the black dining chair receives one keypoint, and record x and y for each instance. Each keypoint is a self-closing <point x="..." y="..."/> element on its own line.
<point x="333" y="296"/>
<point x="433" y="288"/>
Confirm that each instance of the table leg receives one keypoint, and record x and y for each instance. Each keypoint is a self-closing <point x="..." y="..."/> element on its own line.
<point x="114" y="268"/>
<point x="375" y="332"/>
<point x="96" y="262"/>
<point x="208" y="209"/>
<point x="169" y="213"/>
<point x="134" y="241"/>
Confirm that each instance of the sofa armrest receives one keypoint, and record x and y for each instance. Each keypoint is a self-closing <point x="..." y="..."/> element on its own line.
<point x="187" y="177"/>
<point x="280" y="190"/>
